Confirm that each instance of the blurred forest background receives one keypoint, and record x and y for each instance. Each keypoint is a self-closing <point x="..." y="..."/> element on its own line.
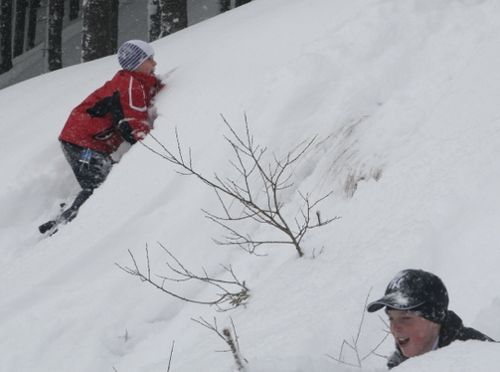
<point x="37" y="36"/>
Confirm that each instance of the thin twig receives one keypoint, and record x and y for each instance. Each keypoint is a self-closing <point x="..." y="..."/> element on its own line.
<point x="354" y="346"/>
<point x="170" y="358"/>
<point x="231" y="342"/>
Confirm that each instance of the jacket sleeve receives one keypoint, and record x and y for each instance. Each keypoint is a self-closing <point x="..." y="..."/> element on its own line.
<point x="135" y="110"/>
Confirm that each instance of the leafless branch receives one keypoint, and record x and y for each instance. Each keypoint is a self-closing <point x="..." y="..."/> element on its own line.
<point x="231" y="293"/>
<point x="211" y="326"/>
<point x="257" y="193"/>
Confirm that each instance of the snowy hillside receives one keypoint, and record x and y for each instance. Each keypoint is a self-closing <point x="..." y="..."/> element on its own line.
<point x="403" y="97"/>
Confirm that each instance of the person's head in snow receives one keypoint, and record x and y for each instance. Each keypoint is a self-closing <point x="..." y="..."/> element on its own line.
<point x="119" y="111"/>
<point x="416" y="302"/>
<point x="137" y="55"/>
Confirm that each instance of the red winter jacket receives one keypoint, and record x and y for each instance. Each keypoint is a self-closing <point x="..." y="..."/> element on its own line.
<point x="115" y="112"/>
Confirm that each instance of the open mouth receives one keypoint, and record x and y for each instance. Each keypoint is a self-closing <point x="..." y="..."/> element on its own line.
<point x="403" y="341"/>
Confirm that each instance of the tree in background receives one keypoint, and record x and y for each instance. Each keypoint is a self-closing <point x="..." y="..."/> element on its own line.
<point x="224" y="5"/>
<point x="173" y="16"/>
<point x="74" y="8"/>
<point x="113" y="26"/>
<point x="166" y="17"/>
<point x="33" y="9"/>
<point x="20" y="27"/>
<point x="5" y="35"/>
<point x="55" y="18"/>
<point x="154" y="19"/>
<point x="100" y="29"/>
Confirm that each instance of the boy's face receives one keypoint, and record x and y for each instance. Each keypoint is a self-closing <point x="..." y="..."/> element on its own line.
<point x="147" y="67"/>
<point x="413" y="334"/>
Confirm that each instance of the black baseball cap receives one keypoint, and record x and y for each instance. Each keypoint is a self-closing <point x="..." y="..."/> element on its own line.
<point x="415" y="290"/>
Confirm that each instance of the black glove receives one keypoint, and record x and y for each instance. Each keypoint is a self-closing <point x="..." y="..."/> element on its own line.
<point x="126" y="131"/>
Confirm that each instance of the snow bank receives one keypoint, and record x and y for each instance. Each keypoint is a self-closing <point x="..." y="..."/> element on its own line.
<point x="403" y="99"/>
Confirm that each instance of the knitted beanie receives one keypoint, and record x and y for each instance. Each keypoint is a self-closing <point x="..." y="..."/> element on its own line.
<point x="133" y="53"/>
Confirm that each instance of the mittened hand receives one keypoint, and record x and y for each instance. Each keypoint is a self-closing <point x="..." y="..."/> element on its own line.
<point x="152" y="115"/>
<point x="160" y="84"/>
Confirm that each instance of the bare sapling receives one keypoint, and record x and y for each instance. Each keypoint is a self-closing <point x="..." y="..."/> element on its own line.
<point x="256" y="193"/>
<point x="231" y="292"/>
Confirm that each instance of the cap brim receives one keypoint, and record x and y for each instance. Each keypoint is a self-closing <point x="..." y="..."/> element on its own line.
<point x="391" y="302"/>
<point x="374" y="306"/>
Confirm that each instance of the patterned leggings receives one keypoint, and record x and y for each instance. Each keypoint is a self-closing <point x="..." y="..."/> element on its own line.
<point x="90" y="168"/>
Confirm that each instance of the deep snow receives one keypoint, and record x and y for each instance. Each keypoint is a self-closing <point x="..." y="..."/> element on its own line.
<point x="403" y="97"/>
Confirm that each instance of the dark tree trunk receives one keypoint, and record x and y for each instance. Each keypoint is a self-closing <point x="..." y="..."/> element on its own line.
<point x="241" y="2"/>
<point x="113" y="26"/>
<point x="34" y="5"/>
<point x="224" y="5"/>
<point x="56" y="15"/>
<point x="173" y="16"/>
<point x="5" y="35"/>
<point x="154" y="20"/>
<point x="20" y="27"/>
<point x="100" y="25"/>
<point x="74" y="8"/>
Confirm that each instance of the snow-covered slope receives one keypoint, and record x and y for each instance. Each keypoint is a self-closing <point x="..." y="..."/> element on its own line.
<point x="403" y="98"/>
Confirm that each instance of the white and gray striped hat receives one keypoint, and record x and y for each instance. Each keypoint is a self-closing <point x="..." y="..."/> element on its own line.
<point x="133" y="52"/>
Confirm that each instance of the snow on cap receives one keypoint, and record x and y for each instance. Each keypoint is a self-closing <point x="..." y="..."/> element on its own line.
<point x="416" y="290"/>
<point x="133" y="52"/>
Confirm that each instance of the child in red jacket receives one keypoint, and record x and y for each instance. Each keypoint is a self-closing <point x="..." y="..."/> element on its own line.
<point x="116" y="112"/>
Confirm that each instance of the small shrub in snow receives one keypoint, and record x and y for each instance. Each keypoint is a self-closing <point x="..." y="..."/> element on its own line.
<point x="231" y="292"/>
<point x="257" y="194"/>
